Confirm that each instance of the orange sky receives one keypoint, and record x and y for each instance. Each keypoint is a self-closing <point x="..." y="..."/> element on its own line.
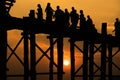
<point x="99" y="10"/>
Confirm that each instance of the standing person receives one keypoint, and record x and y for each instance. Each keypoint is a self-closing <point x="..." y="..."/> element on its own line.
<point x="72" y="14"/>
<point x="90" y="28"/>
<point x="82" y="19"/>
<point x="67" y="18"/>
<point x="39" y="13"/>
<point x="74" y="17"/>
<point x="117" y="27"/>
<point x="59" y="18"/>
<point x="82" y="22"/>
<point x="89" y="20"/>
<point x="49" y="13"/>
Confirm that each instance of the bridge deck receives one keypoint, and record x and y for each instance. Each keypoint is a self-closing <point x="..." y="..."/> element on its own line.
<point x="33" y="25"/>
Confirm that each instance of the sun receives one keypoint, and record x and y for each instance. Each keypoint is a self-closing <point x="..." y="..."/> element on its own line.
<point x="66" y="62"/>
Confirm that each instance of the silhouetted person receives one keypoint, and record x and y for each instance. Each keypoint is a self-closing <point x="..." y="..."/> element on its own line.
<point x="74" y="17"/>
<point x="32" y="14"/>
<point x="89" y="20"/>
<point x="90" y="27"/>
<point x="67" y="18"/>
<point x="117" y="27"/>
<point x="72" y="14"/>
<point x="49" y="13"/>
<point x="83" y="27"/>
<point x="39" y="12"/>
<point x="32" y="21"/>
<point x="59" y="18"/>
<point x="82" y="19"/>
<point x="59" y="15"/>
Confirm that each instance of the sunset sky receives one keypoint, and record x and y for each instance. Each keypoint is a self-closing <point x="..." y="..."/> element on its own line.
<point x="99" y="10"/>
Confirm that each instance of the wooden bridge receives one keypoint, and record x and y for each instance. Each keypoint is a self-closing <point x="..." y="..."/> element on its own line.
<point x="30" y="27"/>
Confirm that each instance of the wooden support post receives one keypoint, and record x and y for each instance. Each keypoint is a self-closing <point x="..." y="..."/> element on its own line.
<point x="33" y="56"/>
<point x="26" y="61"/>
<point x="91" y="61"/>
<point x="3" y="41"/>
<point x="3" y="54"/>
<point x="72" y="55"/>
<point x="51" y="58"/>
<point x="110" y="62"/>
<point x="104" y="29"/>
<point x="60" y="58"/>
<point x="103" y="62"/>
<point x="85" y="60"/>
<point x="103" y="52"/>
<point x="2" y="9"/>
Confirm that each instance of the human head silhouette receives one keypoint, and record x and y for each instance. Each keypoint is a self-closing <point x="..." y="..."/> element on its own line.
<point x="88" y="16"/>
<point x="48" y="4"/>
<point x="66" y="10"/>
<point x="81" y="11"/>
<point x="73" y="8"/>
<point x="58" y="7"/>
<point x="39" y="5"/>
<point x="117" y="19"/>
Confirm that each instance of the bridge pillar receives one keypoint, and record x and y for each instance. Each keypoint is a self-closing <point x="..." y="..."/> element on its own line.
<point x="3" y="54"/>
<point x="60" y="58"/>
<point x="32" y="56"/>
<point x="109" y="62"/>
<point x="103" y="52"/>
<point x="26" y="61"/>
<point x="72" y="55"/>
<point x="51" y="58"/>
<point x="85" y="60"/>
<point x="3" y="41"/>
<point x="91" y="61"/>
